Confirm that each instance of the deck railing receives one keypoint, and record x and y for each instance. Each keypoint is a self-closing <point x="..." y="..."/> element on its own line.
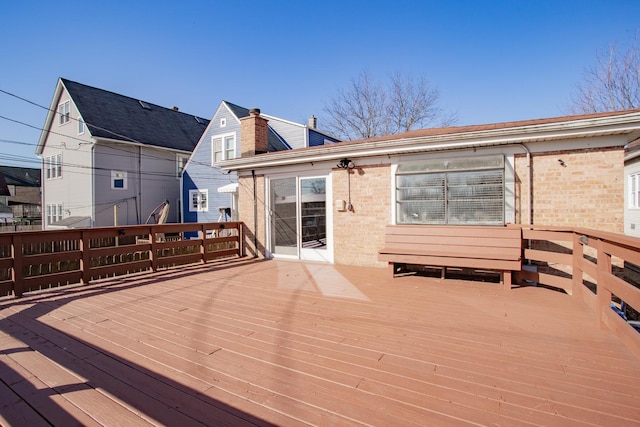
<point x="37" y="260"/>
<point x="598" y="268"/>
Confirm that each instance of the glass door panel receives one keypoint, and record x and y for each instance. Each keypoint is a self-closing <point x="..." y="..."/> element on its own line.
<point x="313" y="218"/>
<point x="284" y="207"/>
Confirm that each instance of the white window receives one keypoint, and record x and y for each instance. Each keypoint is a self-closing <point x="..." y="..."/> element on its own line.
<point x="53" y="166"/>
<point x="181" y="162"/>
<point x="64" y="110"/>
<point x="199" y="200"/>
<point x="118" y="180"/>
<point x="453" y="191"/>
<point x="634" y="191"/>
<point x="223" y="122"/>
<point x="80" y="126"/>
<point x="223" y="147"/>
<point x="54" y="213"/>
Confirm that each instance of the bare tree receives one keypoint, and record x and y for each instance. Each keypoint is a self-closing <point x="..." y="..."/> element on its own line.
<point x="612" y="83"/>
<point x="368" y="109"/>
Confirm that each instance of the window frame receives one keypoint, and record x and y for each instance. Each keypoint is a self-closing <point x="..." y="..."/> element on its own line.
<point x="181" y="164"/>
<point x="223" y="150"/>
<point x="441" y="188"/>
<point x="634" y="191"/>
<point x="53" y="166"/>
<point x="81" y="126"/>
<point x="202" y="204"/>
<point x="53" y="213"/>
<point x="117" y="175"/>
<point x="64" y="112"/>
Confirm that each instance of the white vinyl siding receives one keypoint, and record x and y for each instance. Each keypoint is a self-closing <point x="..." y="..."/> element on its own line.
<point x="198" y="200"/>
<point x="456" y="191"/>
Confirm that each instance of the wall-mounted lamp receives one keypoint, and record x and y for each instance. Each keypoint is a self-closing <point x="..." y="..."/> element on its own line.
<point x="346" y="164"/>
<point x="562" y="163"/>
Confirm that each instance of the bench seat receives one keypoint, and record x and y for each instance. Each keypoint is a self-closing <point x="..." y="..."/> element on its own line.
<point x="474" y="247"/>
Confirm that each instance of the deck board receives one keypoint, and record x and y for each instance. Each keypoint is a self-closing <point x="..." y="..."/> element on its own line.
<point x="286" y="343"/>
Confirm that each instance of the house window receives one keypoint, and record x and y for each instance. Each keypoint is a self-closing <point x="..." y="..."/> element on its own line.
<point x="199" y="200"/>
<point x="64" y="110"/>
<point x="223" y="147"/>
<point x="181" y="162"/>
<point x="53" y="166"/>
<point x="223" y="122"/>
<point x="454" y="191"/>
<point x="634" y="191"/>
<point x="54" y="213"/>
<point x="118" y="180"/>
<point x="80" y="126"/>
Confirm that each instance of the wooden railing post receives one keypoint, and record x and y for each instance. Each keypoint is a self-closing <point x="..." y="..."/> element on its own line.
<point x="603" y="295"/>
<point x="576" y="267"/>
<point x="240" y="239"/>
<point x="153" y="255"/>
<point x="85" y="260"/>
<point x="203" y="246"/>
<point x="16" y="275"/>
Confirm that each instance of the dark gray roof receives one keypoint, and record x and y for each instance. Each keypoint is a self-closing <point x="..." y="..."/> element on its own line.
<point x="276" y="142"/>
<point x="114" y="116"/>
<point x="24" y="177"/>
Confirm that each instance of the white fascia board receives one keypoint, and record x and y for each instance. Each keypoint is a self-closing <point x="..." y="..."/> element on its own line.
<point x="516" y="135"/>
<point x="53" y="109"/>
<point x="269" y="117"/>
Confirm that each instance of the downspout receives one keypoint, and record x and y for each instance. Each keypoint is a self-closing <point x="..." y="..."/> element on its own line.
<point x="530" y="198"/>
<point x="93" y="185"/>
<point x="530" y="180"/>
<point x="255" y="213"/>
<point x="139" y="196"/>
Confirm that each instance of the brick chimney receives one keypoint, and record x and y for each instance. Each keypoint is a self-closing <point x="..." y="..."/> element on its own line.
<point x="254" y="137"/>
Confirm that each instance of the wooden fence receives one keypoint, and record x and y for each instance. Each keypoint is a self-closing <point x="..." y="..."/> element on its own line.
<point x="38" y="260"/>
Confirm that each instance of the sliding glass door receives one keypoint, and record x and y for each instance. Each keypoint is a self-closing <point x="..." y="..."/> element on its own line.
<point x="298" y="218"/>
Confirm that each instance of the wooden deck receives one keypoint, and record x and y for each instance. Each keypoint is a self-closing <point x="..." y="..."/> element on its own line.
<point x="246" y="342"/>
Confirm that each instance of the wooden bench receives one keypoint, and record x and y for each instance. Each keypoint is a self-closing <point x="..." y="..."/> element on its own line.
<point x="474" y="247"/>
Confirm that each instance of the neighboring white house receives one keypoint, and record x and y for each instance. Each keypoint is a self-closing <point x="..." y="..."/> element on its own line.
<point x="110" y="158"/>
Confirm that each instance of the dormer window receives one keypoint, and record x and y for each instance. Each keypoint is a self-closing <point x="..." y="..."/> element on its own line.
<point x="64" y="111"/>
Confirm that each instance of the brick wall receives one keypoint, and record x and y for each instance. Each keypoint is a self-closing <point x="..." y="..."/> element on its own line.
<point x="359" y="234"/>
<point x="586" y="190"/>
<point x="246" y="213"/>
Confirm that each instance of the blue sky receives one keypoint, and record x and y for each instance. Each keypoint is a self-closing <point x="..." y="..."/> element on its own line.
<point x="492" y="61"/>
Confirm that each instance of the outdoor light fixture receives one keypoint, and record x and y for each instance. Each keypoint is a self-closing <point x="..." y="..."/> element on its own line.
<point x="346" y="164"/>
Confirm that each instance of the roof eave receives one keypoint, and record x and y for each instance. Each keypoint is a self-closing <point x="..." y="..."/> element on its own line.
<point x="504" y="136"/>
